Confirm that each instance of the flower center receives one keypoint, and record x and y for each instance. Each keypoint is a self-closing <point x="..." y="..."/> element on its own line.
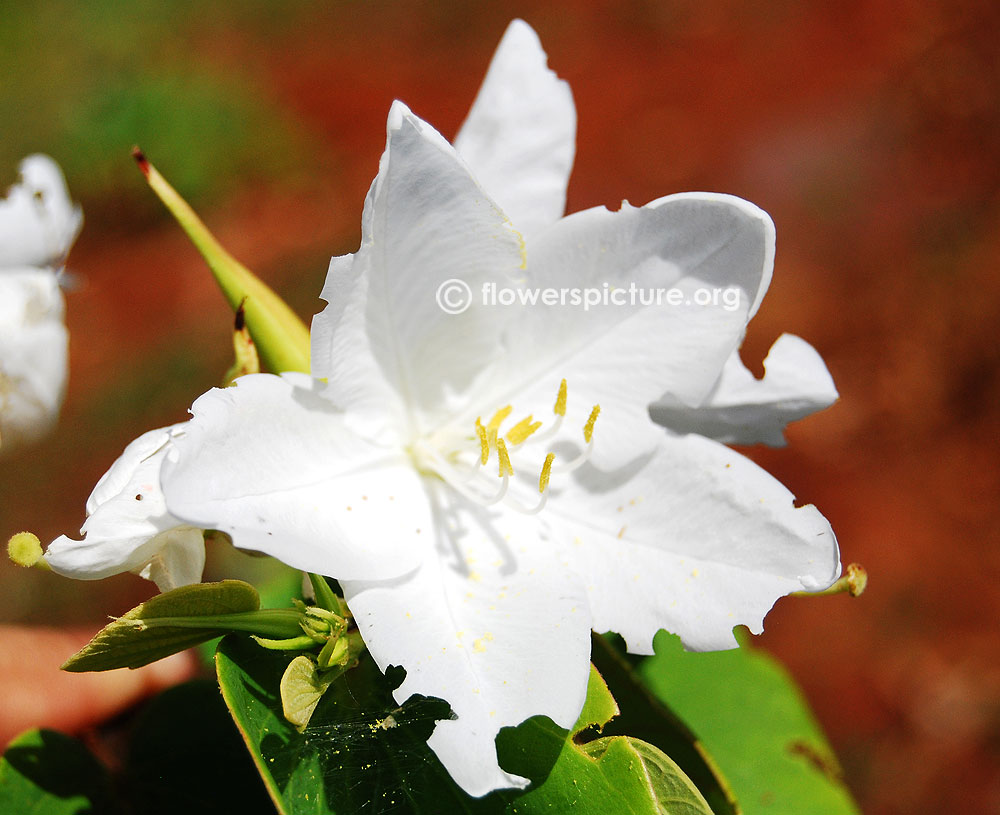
<point x="464" y="465"/>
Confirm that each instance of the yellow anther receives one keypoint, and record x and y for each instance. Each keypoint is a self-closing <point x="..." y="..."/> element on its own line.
<point x="520" y="432"/>
<point x="560" y="406"/>
<point x="505" y="468"/>
<point x="543" y="479"/>
<point x="25" y="549"/>
<point x="588" y="428"/>
<point x="498" y="418"/>
<point x="484" y="442"/>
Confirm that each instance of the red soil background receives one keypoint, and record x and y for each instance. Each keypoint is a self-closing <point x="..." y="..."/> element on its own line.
<point x="868" y="129"/>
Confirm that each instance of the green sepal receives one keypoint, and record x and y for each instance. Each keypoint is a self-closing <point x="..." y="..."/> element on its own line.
<point x="130" y="641"/>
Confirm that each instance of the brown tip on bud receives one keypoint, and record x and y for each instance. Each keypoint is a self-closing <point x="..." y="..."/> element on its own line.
<point x="141" y="160"/>
<point x="241" y="315"/>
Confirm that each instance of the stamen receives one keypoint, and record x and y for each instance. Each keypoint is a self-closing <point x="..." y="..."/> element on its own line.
<point x="493" y="428"/>
<point x="505" y="468"/>
<point x="484" y="443"/>
<point x="560" y="406"/>
<point x="522" y="430"/>
<point x="543" y="479"/>
<point x="588" y="428"/>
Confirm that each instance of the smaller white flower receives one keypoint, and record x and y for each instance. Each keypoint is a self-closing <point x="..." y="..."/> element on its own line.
<point x="33" y="352"/>
<point x="38" y="221"/>
<point x="128" y="527"/>
<point x="38" y="224"/>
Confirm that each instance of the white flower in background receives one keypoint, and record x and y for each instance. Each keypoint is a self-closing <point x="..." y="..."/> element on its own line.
<point x="128" y="527"/>
<point x="38" y="224"/>
<point x="447" y="468"/>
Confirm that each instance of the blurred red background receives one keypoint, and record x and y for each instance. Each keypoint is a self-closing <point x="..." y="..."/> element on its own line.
<point x="869" y="130"/>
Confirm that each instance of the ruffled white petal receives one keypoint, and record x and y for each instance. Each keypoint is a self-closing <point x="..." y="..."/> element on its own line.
<point x="695" y="539"/>
<point x="742" y="409"/>
<point x="38" y="221"/>
<point x="391" y="354"/>
<point x="33" y="355"/>
<point x="128" y="527"/>
<point x="272" y="463"/>
<point x="493" y="622"/>
<point x="713" y="251"/>
<point x="520" y="135"/>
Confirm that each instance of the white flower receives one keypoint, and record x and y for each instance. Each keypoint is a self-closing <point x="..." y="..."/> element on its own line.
<point x="485" y="587"/>
<point x="128" y="527"/>
<point x="38" y="224"/>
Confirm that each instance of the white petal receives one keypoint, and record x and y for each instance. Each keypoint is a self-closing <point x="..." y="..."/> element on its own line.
<point x="128" y="527"/>
<point x="271" y="462"/>
<point x="625" y="356"/>
<point x="493" y="622"/>
<point x="520" y="135"/>
<point x="744" y="410"/>
<point x="384" y="343"/>
<point x="38" y="222"/>
<point x="179" y="559"/>
<point x="33" y="355"/>
<point x="696" y="539"/>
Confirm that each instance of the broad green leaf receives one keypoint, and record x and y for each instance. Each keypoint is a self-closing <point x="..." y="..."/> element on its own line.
<point x="615" y="774"/>
<point x="185" y="757"/>
<point x="126" y="643"/>
<point x="46" y="773"/>
<point x="643" y="716"/>
<point x="361" y="752"/>
<point x="754" y="721"/>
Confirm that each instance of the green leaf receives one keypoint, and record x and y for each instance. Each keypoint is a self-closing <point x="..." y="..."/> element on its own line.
<point x="302" y="686"/>
<point x="615" y="774"/>
<point x="127" y="643"/>
<point x="646" y="717"/>
<point x="361" y="752"/>
<point x="185" y="756"/>
<point x="46" y="773"/>
<point x="756" y="724"/>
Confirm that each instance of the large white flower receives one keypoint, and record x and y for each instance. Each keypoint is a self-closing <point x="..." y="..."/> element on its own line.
<point x="128" y="527"/>
<point x="484" y="585"/>
<point x="38" y="224"/>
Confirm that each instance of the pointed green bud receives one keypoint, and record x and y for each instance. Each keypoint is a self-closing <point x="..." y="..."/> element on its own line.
<point x="25" y="549"/>
<point x="247" y="361"/>
<point x="282" y="339"/>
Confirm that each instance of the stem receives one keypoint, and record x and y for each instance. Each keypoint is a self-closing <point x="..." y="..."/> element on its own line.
<point x="276" y="623"/>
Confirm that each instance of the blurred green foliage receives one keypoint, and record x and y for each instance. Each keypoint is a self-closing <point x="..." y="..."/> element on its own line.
<point x="85" y="81"/>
